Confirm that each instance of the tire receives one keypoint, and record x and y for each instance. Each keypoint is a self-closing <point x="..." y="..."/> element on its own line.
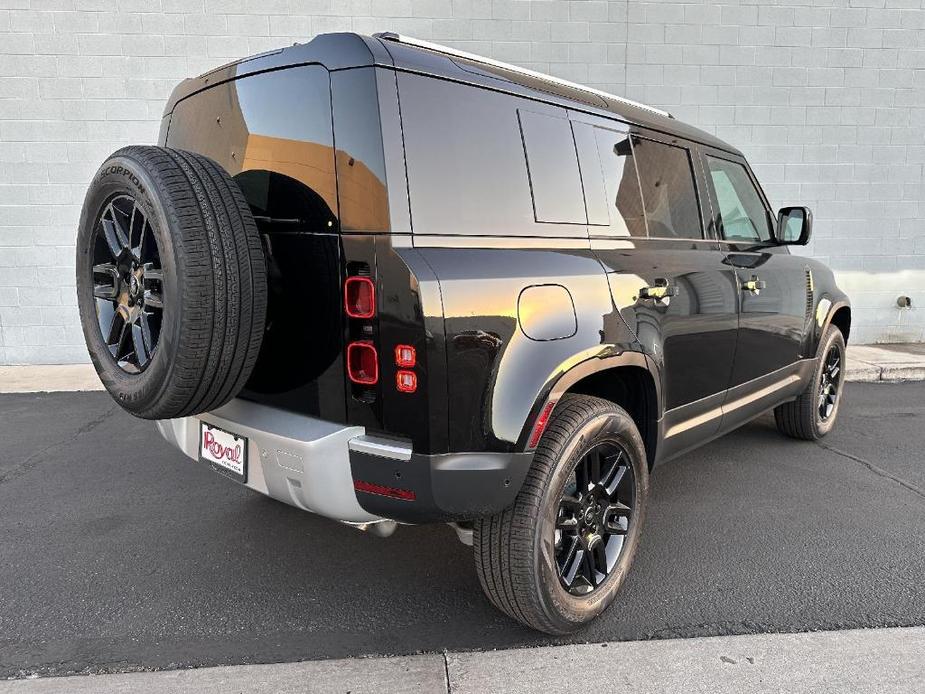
<point x="803" y="418"/>
<point x="171" y="282"/>
<point x="517" y="551"/>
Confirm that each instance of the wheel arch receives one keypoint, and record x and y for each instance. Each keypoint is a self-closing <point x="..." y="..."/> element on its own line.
<point x="841" y="319"/>
<point x="625" y="379"/>
<point x="831" y="310"/>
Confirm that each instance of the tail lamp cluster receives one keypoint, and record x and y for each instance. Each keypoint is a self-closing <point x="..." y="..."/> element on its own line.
<point x="362" y="355"/>
<point x="360" y="304"/>
<point x="406" y="379"/>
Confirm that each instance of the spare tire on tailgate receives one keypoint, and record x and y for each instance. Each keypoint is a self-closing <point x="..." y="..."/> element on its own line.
<point x="171" y="282"/>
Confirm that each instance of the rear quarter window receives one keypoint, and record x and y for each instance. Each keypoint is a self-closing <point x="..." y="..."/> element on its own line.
<point x="555" y="183"/>
<point x="361" y="181"/>
<point x="466" y="158"/>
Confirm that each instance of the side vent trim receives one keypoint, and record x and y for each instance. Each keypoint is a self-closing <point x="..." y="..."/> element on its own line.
<point x="810" y="295"/>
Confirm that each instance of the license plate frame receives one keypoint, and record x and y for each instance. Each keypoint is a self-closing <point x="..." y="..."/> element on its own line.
<point x="225" y="452"/>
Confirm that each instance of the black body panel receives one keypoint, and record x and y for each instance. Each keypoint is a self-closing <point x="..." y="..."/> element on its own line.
<point x="527" y="239"/>
<point x="496" y="372"/>
<point x="447" y="487"/>
<point x="691" y="336"/>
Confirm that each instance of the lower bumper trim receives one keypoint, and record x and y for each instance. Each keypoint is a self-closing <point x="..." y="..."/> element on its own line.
<point x="384" y="448"/>
<point x="340" y="472"/>
<point x="447" y="487"/>
<point x="296" y="459"/>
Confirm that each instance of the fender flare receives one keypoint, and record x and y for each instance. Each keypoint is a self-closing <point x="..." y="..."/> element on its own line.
<point x="825" y="320"/>
<point x="560" y="383"/>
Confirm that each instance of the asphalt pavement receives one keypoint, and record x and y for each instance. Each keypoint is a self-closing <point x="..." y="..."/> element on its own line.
<point x="117" y="553"/>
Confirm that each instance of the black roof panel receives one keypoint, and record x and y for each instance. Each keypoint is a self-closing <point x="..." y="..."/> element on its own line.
<point x="348" y="50"/>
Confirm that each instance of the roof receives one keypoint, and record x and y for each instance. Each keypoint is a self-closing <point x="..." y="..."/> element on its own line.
<point x="348" y="50"/>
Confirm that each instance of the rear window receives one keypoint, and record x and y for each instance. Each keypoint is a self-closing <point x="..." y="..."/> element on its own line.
<point x="466" y="158"/>
<point x="636" y="186"/>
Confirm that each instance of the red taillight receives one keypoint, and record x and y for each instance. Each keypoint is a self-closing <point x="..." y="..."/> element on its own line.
<point x="360" y="297"/>
<point x="406" y="381"/>
<point x="362" y="362"/>
<point x="405" y="356"/>
<point x="382" y="490"/>
<point x="540" y="426"/>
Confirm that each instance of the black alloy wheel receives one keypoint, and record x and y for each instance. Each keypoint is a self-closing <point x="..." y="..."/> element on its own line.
<point x="829" y="383"/>
<point x="127" y="283"/>
<point x="557" y="557"/>
<point x="813" y="413"/>
<point x="595" y="512"/>
<point x="171" y="282"/>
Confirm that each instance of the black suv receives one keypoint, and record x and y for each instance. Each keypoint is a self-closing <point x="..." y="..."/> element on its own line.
<point x="388" y="282"/>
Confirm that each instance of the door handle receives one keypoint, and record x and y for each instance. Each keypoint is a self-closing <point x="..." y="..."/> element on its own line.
<point x="754" y="285"/>
<point x="660" y="290"/>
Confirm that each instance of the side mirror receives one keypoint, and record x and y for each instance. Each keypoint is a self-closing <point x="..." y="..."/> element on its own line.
<point x="794" y="226"/>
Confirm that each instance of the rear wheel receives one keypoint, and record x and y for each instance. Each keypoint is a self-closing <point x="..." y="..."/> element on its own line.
<point x="813" y="414"/>
<point x="556" y="558"/>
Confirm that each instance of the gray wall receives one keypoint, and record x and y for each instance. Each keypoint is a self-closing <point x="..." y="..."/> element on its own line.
<point x="824" y="96"/>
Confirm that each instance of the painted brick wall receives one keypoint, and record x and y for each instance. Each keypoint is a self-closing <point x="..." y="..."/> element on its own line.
<point x="826" y="97"/>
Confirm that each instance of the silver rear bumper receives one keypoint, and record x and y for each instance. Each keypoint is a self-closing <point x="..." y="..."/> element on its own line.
<point x="293" y="458"/>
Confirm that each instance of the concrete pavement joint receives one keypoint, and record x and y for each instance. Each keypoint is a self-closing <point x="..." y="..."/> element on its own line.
<point x="446" y="670"/>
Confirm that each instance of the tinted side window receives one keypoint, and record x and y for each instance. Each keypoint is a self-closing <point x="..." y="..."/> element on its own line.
<point x="668" y="192"/>
<point x="465" y="158"/>
<point x="621" y="183"/>
<point x="361" y="191"/>
<point x="553" y="168"/>
<point x="592" y="177"/>
<point x="742" y="212"/>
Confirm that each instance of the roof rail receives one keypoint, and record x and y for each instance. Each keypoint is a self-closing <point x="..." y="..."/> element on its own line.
<point x="437" y="48"/>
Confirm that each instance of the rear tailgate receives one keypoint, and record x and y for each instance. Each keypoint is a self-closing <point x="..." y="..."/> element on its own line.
<point x="273" y="132"/>
<point x="306" y="147"/>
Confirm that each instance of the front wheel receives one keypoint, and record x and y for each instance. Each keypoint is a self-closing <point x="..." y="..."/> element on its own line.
<point x="812" y="415"/>
<point x="556" y="558"/>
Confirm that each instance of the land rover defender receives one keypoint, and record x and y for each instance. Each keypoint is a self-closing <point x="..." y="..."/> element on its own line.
<point x="389" y="282"/>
